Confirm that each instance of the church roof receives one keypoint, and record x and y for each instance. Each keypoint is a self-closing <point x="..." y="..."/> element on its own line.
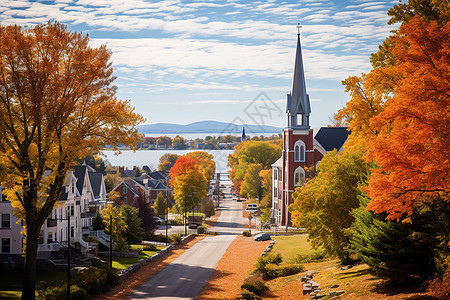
<point x="298" y="102"/>
<point x="332" y="137"/>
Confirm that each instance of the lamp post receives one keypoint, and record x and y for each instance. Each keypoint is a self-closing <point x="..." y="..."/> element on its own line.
<point x="167" y="220"/>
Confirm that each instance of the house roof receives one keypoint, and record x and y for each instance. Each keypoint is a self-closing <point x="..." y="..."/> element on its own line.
<point x="278" y="163"/>
<point x="80" y="172"/>
<point x="128" y="173"/>
<point x="158" y="175"/>
<point x="332" y="137"/>
<point x="96" y="180"/>
<point x="131" y="184"/>
<point x="152" y="184"/>
<point x="146" y="169"/>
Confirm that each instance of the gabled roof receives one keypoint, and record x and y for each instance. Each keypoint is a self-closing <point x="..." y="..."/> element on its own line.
<point x="152" y="184"/>
<point x="332" y="137"/>
<point x="80" y="174"/>
<point x="278" y="163"/>
<point x="146" y="169"/>
<point x="131" y="184"/>
<point x="128" y="173"/>
<point x="96" y="180"/>
<point x="158" y="175"/>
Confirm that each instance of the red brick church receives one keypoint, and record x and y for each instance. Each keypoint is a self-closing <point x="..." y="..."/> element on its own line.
<point x="303" y="147"/>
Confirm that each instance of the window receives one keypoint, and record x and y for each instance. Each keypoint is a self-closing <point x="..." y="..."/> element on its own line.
<point x="299" y="176"/>
<point x="302" y="153"/>
<point x="49" y="238"/>
<point x="6" y="221"/>
<point x="275" y="172"/>
<point x="6" y="245"/>
<point x="124" y="189"/>
<point x="125" y="199"/>
<point x="299" y="151"/>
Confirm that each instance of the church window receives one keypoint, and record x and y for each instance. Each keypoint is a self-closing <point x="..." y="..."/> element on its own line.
<point x="299" y="151"/>
<point x="297" y="179"/>
<point x="299" y="176"/>
<point x="302" y="153"/>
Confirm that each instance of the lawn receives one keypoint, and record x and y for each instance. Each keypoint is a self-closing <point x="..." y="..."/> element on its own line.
<point x="290" y="246"/>
<point x="11" y="281"/>
<point x="121" y="263"/>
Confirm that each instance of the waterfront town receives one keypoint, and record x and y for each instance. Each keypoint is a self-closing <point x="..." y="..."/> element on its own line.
<point x="353" y="208"/>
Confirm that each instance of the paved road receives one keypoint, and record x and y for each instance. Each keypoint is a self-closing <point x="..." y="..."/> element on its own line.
<point x="186" y="275"/>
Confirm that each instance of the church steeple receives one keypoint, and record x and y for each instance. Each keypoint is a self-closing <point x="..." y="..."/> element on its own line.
<point x="243" y="137"/>
<point x="298" y="105"/>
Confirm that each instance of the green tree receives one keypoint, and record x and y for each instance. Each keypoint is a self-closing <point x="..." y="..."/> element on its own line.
<point x="402" y="251"/>
<point x="57" y="104"/>
<point x="160" y="206"/>
<point x="97" y="223"/>
<point x="134" y="232"/>
<point x="112" y="217"/>
<point x="324" y="204"/>
<point x="166" y="161"/>
<point x="251" y="186"/>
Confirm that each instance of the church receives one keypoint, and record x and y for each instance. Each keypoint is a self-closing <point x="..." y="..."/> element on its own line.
<point x="303" y="147"/>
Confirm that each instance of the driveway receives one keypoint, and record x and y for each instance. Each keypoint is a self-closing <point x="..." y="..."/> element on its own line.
<point x="186" y="275"/>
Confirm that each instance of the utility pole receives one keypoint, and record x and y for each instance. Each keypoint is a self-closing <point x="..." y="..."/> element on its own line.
<point x="68" y="252"/>
<point x="110" y="240"/>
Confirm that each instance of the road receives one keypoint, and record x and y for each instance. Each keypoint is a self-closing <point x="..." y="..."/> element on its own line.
<point x="186" y="275"/>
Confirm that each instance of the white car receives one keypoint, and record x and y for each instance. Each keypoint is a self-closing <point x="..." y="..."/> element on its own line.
<point x="158" y="220"/>
<point x="252" y="207"/>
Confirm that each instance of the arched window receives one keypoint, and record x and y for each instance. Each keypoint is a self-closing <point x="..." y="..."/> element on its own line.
<point x="299" y="176"/>
<point x="299" y="151"/>
<point x="302" y="153"/>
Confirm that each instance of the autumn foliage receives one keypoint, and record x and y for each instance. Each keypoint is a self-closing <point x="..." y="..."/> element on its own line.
<point x="412" y="144"/>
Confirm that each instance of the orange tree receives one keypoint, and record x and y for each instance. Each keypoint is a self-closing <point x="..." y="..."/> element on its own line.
<point x="57" y="103"/>
<point x="188" y="182"/>
<point x="412" y="144"/>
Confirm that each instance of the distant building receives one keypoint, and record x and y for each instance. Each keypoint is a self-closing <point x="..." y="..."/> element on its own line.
<point x="302" y="147"/>
<point x="243" y="137"/>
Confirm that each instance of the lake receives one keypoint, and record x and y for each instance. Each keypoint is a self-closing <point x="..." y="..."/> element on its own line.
<point x="139" y="158"/>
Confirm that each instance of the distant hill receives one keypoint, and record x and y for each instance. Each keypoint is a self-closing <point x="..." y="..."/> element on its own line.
<point x="207" y="127"/>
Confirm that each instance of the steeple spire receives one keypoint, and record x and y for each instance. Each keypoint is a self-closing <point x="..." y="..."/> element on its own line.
<point x="298" y="105"/>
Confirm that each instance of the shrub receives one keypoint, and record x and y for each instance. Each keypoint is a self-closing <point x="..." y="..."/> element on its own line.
<point x="112" y="276"/>
<point x="247" y="295"/>
<point x="149" y="247"/>
<point x="311" y="257"/>
<point x="94" y="280"/>
<point x="90" y="239"/>
<point x="255" y="285"/>
<point x="440" y="287"/>
<point x="175" y="238"/>
<point x="246" y="233"/>
<point x="201" y="229"/>
<point x="274" y="271"/>
<point x="60" y="292"/>
<point x="262" y="262"/>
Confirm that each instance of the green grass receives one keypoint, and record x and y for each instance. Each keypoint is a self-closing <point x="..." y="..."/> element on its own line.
<point x="121" y="263"/>
<point x="11" y="281"/>
<point x="290" y="246"/>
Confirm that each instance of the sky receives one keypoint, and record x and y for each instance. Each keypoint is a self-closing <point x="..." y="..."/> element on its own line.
<point x="231" y="61"/>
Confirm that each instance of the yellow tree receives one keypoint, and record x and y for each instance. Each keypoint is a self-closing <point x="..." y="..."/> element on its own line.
<point x="57" y="103"/>
<point x="115" y="224"/>
<point x="188" y="182"/>
<point x="206" y="161"/>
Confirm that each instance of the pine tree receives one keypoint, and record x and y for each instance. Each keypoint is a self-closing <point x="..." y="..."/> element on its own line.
<point x="401" y="251"/>
<point x="133" y="232"/>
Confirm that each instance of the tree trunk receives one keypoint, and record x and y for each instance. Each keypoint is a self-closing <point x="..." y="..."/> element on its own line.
<point x="29" y="279"/>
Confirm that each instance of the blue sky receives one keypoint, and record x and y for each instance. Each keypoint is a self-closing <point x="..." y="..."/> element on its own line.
<point x="230" y="61"/>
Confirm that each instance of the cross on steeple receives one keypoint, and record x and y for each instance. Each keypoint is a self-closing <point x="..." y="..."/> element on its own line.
<point x="298" y="28"/>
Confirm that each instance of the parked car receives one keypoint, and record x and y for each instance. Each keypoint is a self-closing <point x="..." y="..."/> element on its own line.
<point x="263" y="236"/>
<point x="158" y="220"/>
<point x="234" y="198"/>
<point x="252" y="207"/>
